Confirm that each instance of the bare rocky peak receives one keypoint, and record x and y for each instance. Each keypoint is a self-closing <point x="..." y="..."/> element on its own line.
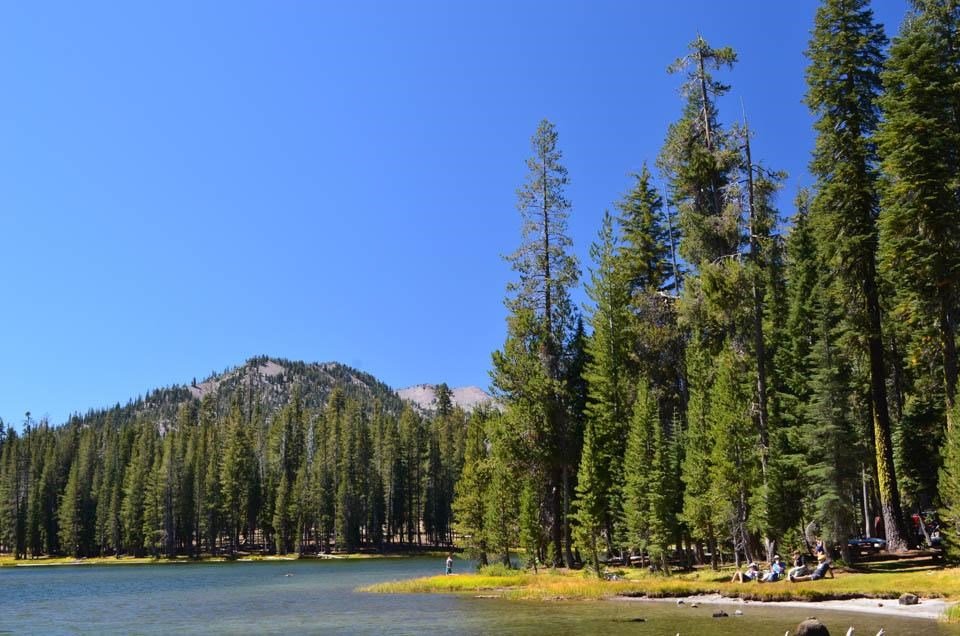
<point x="423" y="396"/>
<point x="265" y="369"/>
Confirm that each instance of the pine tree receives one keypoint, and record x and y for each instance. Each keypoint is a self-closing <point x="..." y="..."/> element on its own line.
<point x="735" y="470"/>
<point x="919" y="142"/>
<point x="832" y="461"/>
<point x="70" y="513"/>
<point x="640" y="484"/>
<point x="699" y="509"/>
<point x="700" y="160"/>
<point x="153" y="531"/>
<point x="237" y="474"/>
<point x="528" y="373"/>
<point x="600" y="475"/>
<point x="949" y="487"/>
<point x="471" y="489"/>
<point x="531" y="528"/>
<point x="794" y="366"/>
<point x="843" y="79"/>
<point x="135" y="482"/>
<point x="502" y="504"/>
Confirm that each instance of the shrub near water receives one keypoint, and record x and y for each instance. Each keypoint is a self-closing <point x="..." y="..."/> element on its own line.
<point x="496" y="569"/>
<point x="952" y="614"/>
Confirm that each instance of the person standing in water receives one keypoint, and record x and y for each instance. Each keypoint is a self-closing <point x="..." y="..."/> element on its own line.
<point x="450" y="564"/>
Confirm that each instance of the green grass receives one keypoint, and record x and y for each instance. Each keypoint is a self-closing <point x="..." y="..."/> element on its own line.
<point x="952" y="615"/>
<point x="928" y="581"/>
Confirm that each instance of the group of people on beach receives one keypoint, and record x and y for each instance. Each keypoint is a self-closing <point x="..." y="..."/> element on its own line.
<point x="778" y="570"/>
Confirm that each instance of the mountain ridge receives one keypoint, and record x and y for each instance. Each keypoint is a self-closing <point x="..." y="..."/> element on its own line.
<point x="271" y="381"/>
<point x="466" y="397"/>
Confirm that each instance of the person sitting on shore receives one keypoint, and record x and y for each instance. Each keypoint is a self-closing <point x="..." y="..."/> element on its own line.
<point x="776" y="571"/>
<point x="752" y="573"/>
<point x="822" y="569"/>
<point x="799" y="565"/>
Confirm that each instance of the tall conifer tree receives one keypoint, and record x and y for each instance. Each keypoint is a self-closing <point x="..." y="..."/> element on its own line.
<point x="843" y="79"/>
<point x="529" y="372"/>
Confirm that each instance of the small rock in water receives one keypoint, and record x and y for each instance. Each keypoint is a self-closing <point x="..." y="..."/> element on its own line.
<point x="638" y="620"/>
<point x="738" y="613"/>
<point x="679" y="601"/>
<point x="879" y="604"/>
<point x="694" y="605"/>
<point x="720" y="614"/>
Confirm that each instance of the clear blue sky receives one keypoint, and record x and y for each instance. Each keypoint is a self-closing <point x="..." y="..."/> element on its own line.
<point x="184" y="185"/>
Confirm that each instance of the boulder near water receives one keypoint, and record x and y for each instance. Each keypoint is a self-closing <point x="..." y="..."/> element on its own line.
<point x="909" y="599"/>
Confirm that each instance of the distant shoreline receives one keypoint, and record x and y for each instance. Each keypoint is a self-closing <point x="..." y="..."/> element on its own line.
<point x="10" y="562"/>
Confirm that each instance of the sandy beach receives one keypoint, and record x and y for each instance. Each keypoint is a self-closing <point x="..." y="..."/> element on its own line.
<point x="928" y="608"/>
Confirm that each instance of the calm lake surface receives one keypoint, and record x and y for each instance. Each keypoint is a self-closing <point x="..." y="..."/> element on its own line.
<point x="318" y="597"/>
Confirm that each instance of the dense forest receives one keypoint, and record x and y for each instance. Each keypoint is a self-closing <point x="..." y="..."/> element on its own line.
<point x="744" y="377"/>
<point x="274" y="457"/>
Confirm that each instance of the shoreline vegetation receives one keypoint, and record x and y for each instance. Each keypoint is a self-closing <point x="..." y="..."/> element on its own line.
<point x="874" y="588"/>
<point x="7" y="561"/>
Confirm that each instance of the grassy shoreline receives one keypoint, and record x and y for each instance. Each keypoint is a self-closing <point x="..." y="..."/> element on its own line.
<point x="883" y="583"/>
<point x="7" y="561"/>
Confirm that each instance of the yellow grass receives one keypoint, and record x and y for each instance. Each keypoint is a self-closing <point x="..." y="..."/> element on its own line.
<point x="925" y="582"/>
<point x="7" y="560"/>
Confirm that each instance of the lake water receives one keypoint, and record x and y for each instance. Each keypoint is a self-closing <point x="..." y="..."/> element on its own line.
<point x="319" y="597"/>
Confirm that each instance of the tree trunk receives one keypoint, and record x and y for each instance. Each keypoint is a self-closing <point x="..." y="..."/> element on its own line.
<point x="556" y="527"/>
<point x="758" y="343"/>
<point x="567" y="551"/>
<point x="886" y="474"/>
<point x="948" y="343"/>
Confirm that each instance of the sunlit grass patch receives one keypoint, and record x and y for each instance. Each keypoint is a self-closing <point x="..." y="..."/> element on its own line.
<point x="451" y="583"/>
<point x="562" y="584"/>
<point x="952" y="615"/>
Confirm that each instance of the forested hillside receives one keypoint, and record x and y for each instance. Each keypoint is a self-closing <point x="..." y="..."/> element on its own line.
<point x="274" y="456"/>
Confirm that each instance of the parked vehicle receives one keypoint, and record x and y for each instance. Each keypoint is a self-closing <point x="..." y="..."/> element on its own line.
<point x="860" y="546"/>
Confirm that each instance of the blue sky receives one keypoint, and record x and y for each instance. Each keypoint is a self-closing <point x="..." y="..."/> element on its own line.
<point x="184" y="185"/>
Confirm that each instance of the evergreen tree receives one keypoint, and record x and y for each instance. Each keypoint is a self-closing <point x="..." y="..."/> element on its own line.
<point x="237" y="474"/>
<point x="649" y="487"/>
<point x="919" y="142"/>
<point x="70" y="513"/>
<point x="949" y="487"/>
<point x="528" y="373"/>
<point x="531" y="528"/>
<point x="135" y="482"/>
<point x="700" y="160"/>
<point x="601" y="465"/>
<point x="843" y="79"/>
<point x="502" y="504"/>
<point x="794" y="365"/>
<point x="471" y="489"/>
<point x="829" y="432"/>
<point x="735" y="471"/>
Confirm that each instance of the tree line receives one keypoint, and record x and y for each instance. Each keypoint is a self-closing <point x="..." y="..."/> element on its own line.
<point x="745" y="383"/>
<point x="349" y="476"/>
